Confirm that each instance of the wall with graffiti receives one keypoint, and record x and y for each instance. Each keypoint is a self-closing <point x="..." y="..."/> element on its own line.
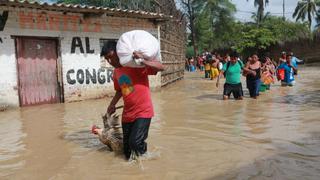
<point x="79" y="42"/>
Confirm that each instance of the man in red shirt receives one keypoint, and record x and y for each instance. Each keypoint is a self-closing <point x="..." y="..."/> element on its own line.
<point x="132" y="85"/>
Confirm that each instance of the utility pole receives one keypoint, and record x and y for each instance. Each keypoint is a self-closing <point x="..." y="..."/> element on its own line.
<point x="283" y="10"/>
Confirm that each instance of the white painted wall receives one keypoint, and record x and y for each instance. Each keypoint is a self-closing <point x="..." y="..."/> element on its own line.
<point x="77" y="61"/>
<point x="8" y="72"/>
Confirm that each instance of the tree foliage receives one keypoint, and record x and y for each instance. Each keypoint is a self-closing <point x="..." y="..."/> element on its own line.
<point x="212" y="24"/>
<point x="260" y="11"/>
<point x="273" y="30"/>
<point x="306" y="8"/>
<point x="255" y="39"/>
<point x="216" y="28"/>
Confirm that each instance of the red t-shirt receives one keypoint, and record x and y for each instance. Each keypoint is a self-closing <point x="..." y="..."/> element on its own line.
<point x="200" y="61"/>
<point x="134" y="86"/>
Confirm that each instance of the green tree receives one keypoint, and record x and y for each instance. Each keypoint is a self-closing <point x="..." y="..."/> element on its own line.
<point x="204" y="30"/>
<point x="273" y="30"/>
<point x="286" y="30"/>
<point x="306" y="8"/>
<point x="192" y="9"/>
<point x="256" y="39"/>
<point x="223" y="21"/>
<point x="255" y="17"/>
<point x="260" y="12"/>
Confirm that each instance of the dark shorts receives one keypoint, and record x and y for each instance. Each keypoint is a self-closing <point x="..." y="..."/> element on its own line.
<point x="235" y="89"/>
<point x="134" y="136"/>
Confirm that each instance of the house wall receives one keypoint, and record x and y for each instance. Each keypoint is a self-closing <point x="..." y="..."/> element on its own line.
<point x="173" y="38"/>
<point x="79" y="63"/>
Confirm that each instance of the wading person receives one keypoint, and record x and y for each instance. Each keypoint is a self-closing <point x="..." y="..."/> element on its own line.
<point x="207" y="67"/>
<point x="253" y="76"/>
<point x="232" y="71"/>
<point x="133" y="86"/>
<point x="294" y="62"/>
<point x="282" y="58"/>
<point x="214" y="71"/>
<point x="289" y="69"/>
<point x="267" y="72"/>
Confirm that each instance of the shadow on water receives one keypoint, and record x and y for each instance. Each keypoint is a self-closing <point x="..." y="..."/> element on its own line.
<point x="308" y="98"/>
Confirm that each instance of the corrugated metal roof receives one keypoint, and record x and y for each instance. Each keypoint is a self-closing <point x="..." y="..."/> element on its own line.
<point x="83" y="9"/>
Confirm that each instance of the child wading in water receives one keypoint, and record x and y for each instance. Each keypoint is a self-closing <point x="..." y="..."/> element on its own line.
<point x="132" y="85"/>
<point x="214" y="71"/>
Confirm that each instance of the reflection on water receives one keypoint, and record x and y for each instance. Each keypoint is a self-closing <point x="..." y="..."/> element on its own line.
<point x="194" y="135"/>
<point x="10" y="142"/>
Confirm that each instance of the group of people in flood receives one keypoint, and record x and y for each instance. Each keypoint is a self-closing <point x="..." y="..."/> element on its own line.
<point x="260" y="73"/>
<point x="132" y="85"/>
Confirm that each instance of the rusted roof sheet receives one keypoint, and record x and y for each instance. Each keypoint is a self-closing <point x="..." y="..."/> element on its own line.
<point x="83" y="9"/>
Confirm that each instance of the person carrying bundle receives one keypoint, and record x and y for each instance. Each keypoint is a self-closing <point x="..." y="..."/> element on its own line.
<point x="131" y="83"/>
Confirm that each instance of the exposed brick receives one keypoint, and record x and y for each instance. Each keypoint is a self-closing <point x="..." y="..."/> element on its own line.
<point x="111" y="27"/>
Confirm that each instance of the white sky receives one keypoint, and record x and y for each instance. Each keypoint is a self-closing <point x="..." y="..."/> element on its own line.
<point x="274" y="7"/>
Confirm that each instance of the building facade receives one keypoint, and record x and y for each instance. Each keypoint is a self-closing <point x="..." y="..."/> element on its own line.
<point x="50" y="53"/>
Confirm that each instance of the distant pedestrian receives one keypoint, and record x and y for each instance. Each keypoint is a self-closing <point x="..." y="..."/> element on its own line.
<point x="282" y="58"/>
<point x="201" y="63"/>
<point x="295" y="62"/>
<point x="289" y="69"/>
<point x="214" y="71"/>
<point x="207" y="67"/>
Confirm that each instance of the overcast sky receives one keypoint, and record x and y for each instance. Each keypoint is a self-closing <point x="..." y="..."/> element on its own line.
<point x="274" y="7"/>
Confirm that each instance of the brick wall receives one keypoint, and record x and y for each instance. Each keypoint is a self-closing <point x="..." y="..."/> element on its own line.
<point x="88" y="30"/>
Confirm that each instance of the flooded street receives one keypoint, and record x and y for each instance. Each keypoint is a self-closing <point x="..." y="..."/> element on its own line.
<point x="194" y="135"/>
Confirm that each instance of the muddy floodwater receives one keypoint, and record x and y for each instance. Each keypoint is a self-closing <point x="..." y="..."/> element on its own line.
<point x="194" y="135"/>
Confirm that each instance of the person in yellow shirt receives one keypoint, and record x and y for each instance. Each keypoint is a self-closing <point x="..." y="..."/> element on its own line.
<point x="207" y="68"/>
<point x="214" y="71"/>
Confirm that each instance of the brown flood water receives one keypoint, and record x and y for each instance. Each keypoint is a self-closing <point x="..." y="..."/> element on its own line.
<point x="194" y="135"/>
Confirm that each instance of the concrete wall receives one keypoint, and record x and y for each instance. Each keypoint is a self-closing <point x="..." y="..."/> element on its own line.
<point x="8" y="73"/>
<point x="69" y="29"/>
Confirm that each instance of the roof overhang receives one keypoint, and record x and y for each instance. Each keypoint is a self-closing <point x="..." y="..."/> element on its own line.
<point x="76" y="8"/>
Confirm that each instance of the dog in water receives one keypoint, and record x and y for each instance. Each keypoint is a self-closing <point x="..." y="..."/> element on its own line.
<point x="111" y="134"/>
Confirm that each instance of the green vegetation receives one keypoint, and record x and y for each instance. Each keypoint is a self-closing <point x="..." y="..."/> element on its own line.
<point x="260" y="12"/>
<point x="215" y="28"/>
<point x="212" y="25"/>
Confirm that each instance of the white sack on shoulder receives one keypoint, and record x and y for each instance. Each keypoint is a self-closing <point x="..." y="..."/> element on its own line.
<point x="140" y="41"/>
